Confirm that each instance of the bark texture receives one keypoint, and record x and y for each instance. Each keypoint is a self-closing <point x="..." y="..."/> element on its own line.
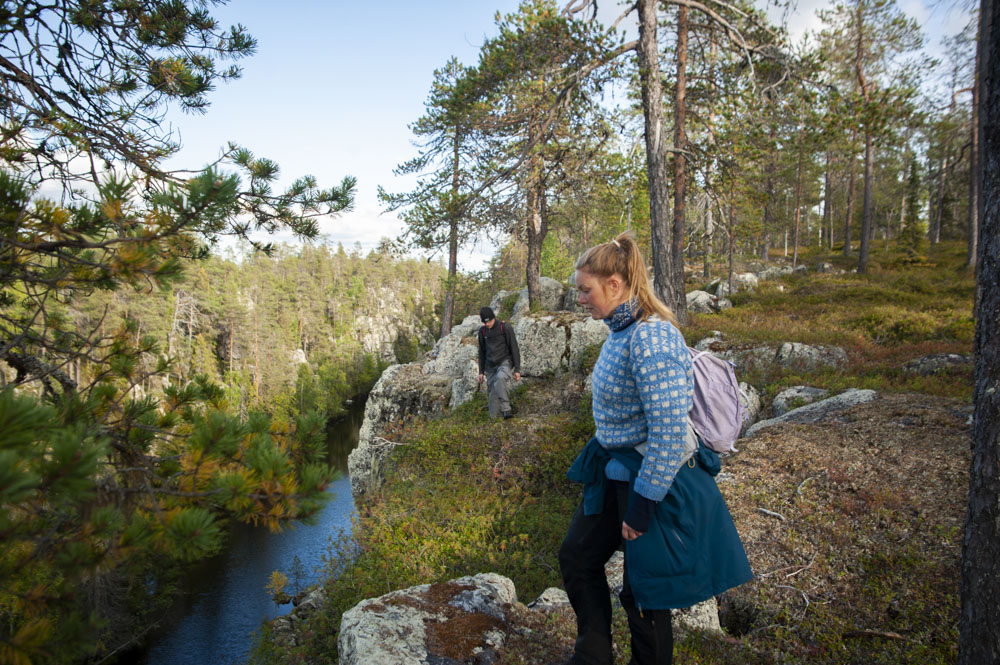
<point x="656" y="150"/>
<point x="979" y="622"/>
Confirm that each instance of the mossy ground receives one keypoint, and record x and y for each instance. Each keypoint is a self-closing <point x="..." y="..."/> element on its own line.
<point x="864" y="565"/>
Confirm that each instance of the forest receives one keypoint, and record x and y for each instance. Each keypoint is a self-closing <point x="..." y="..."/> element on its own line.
<point x="166" y="367"/>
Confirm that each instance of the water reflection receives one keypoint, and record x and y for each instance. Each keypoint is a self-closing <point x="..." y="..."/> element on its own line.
<point x="225" y="600"/>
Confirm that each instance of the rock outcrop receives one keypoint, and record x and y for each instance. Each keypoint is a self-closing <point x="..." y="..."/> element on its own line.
<point x="703" y="302"/>
<point x="789" y="355"/>
<point x="817" y="411"/>
<point x="796" y="396"/>
<point x="938" y="362"/>
<point x="380" y="331"/>
<point x="432" y="623"/>
<point x="447" y="377"/>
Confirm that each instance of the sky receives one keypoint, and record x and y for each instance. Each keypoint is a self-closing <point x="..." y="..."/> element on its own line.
<point x="334" y="85"/>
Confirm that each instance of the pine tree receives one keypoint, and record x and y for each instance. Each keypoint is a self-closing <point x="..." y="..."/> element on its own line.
<point x="111" y="471"/>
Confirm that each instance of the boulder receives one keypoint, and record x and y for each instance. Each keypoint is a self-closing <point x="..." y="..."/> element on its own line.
<point x="939" y="362"/>
<point x="743" y="281"/>
<point x="753" y="403"/>
<point x="461" y="621"/>
<point x="284" y="628"/>
<point x="823" y="266"/>
<point x="715" y="338"/>
<point x="556" y="341"/>
<point x="816" y="411"/>
<point x="805" y="357"/>
<point x="703" y="302"/>
<point x="797" y="396"/>
<point x="402" y="393"/>
<point x="769" y="273"/>
<point x="551" y="599"/>
<point x="551" y="296"/>
<point x="570" y="302"/>
<point x="297" y="357"/>
<point x="496" y="304"/>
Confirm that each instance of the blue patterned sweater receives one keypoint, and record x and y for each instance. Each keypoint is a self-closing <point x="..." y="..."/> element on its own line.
<point x="642" y="393"/>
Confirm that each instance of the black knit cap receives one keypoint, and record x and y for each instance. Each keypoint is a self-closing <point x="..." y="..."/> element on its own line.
<point x="485" y="314"/>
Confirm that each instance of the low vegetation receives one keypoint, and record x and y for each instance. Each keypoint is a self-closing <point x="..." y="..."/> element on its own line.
<point x="856" y="556"/>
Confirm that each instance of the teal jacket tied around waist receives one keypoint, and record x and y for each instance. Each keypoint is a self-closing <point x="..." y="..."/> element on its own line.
<point x="692" y="551"/>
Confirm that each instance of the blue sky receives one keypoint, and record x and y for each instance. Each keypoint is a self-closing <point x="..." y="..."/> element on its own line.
<point x="333" y="86"/>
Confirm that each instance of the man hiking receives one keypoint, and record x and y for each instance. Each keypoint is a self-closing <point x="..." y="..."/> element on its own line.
<point x="499" y="358"/>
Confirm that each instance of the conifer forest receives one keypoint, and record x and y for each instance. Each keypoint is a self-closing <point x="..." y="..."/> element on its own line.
<point x="175" y="339"/>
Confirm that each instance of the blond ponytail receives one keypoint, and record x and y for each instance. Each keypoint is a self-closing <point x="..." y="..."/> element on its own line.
<point x="621" y="256"/>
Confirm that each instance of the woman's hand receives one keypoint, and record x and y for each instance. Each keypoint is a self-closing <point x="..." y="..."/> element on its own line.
<point x="628" y="533"/>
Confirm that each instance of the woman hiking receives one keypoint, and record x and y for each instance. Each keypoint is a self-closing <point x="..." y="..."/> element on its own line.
<point x="648" y="482"/>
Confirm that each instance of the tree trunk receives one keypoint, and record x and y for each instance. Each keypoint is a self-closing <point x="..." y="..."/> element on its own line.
<point x="866" y="206"/>
<point x="798" y="210"/>
<point x="769" y="168"/>
<point x="449" y="296"/>
<point x="902" y="202"/>
<point x="934" y="228"/>
<point x="709" y="234"/>
<point x="826" y="234"/>
<point x="656" y="153"/>
<point x="679" y="306"/>
<point x="979" y="622"/>
<point x="973" y="223"/>
<point x="537" y="228"/>
<point x="850" y="203"/>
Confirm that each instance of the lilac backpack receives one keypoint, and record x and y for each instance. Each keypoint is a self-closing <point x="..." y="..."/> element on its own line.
<point x="717" y="413"/>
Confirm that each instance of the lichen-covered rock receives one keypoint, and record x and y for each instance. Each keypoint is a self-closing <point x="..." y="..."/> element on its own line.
<point x="556" y="341"/>
<point x="460" y="621"/>
<point x="402" y="393"/>
<point x="823" y="266"/>
<point x="806" y="357"/>
<point x="744" y="281"/>
<point x="817" y="411"/>
<point x="797" y="396"/>
<point x="379" y="332"/>
<point x="791" y="355"/>
<point x="702" y="302"/>
<point x="551" y="599"/>
<point x="939" y="362"/>
<point x="550" y="293"/>
<point x="771" y="272"/>
<point x="284" y="628"/>
<point x="751" y="399"/>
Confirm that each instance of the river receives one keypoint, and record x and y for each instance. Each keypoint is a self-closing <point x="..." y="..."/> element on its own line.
<point x="223" y="599"/>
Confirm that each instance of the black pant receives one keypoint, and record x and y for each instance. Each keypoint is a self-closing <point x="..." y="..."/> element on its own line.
<point x="590" y="541"/>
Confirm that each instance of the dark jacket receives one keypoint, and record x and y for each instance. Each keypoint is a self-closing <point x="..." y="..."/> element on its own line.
<point x="692" y="550"/>
<point x="497" y="344"/>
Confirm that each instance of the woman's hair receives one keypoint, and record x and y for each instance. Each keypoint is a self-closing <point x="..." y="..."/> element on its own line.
<point x="622" y="256"/>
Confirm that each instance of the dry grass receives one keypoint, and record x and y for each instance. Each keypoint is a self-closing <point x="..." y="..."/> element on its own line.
<point x="863" y="563"/>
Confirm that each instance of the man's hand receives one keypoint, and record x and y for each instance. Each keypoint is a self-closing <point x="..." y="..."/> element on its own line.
<point x="628" y="533"/>
<point x="481" y="377"/>
<point x="517" y="376"/>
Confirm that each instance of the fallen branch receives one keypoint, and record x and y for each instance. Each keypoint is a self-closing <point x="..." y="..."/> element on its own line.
<point x="874" y="633"/>
<point x="804" y="596"/>
<point x="798" y="491"/>
<point x="772" y="513"/>
<point x="801" y="569"/>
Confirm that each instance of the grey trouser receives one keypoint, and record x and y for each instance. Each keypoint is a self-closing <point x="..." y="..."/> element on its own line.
<point x="498" y="381"/>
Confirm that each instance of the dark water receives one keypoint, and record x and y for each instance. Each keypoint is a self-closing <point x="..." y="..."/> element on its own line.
<point x="224" y="599"/>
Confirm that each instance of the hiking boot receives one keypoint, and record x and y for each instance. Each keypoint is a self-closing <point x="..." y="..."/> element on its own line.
<point x="507" y="414"/>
